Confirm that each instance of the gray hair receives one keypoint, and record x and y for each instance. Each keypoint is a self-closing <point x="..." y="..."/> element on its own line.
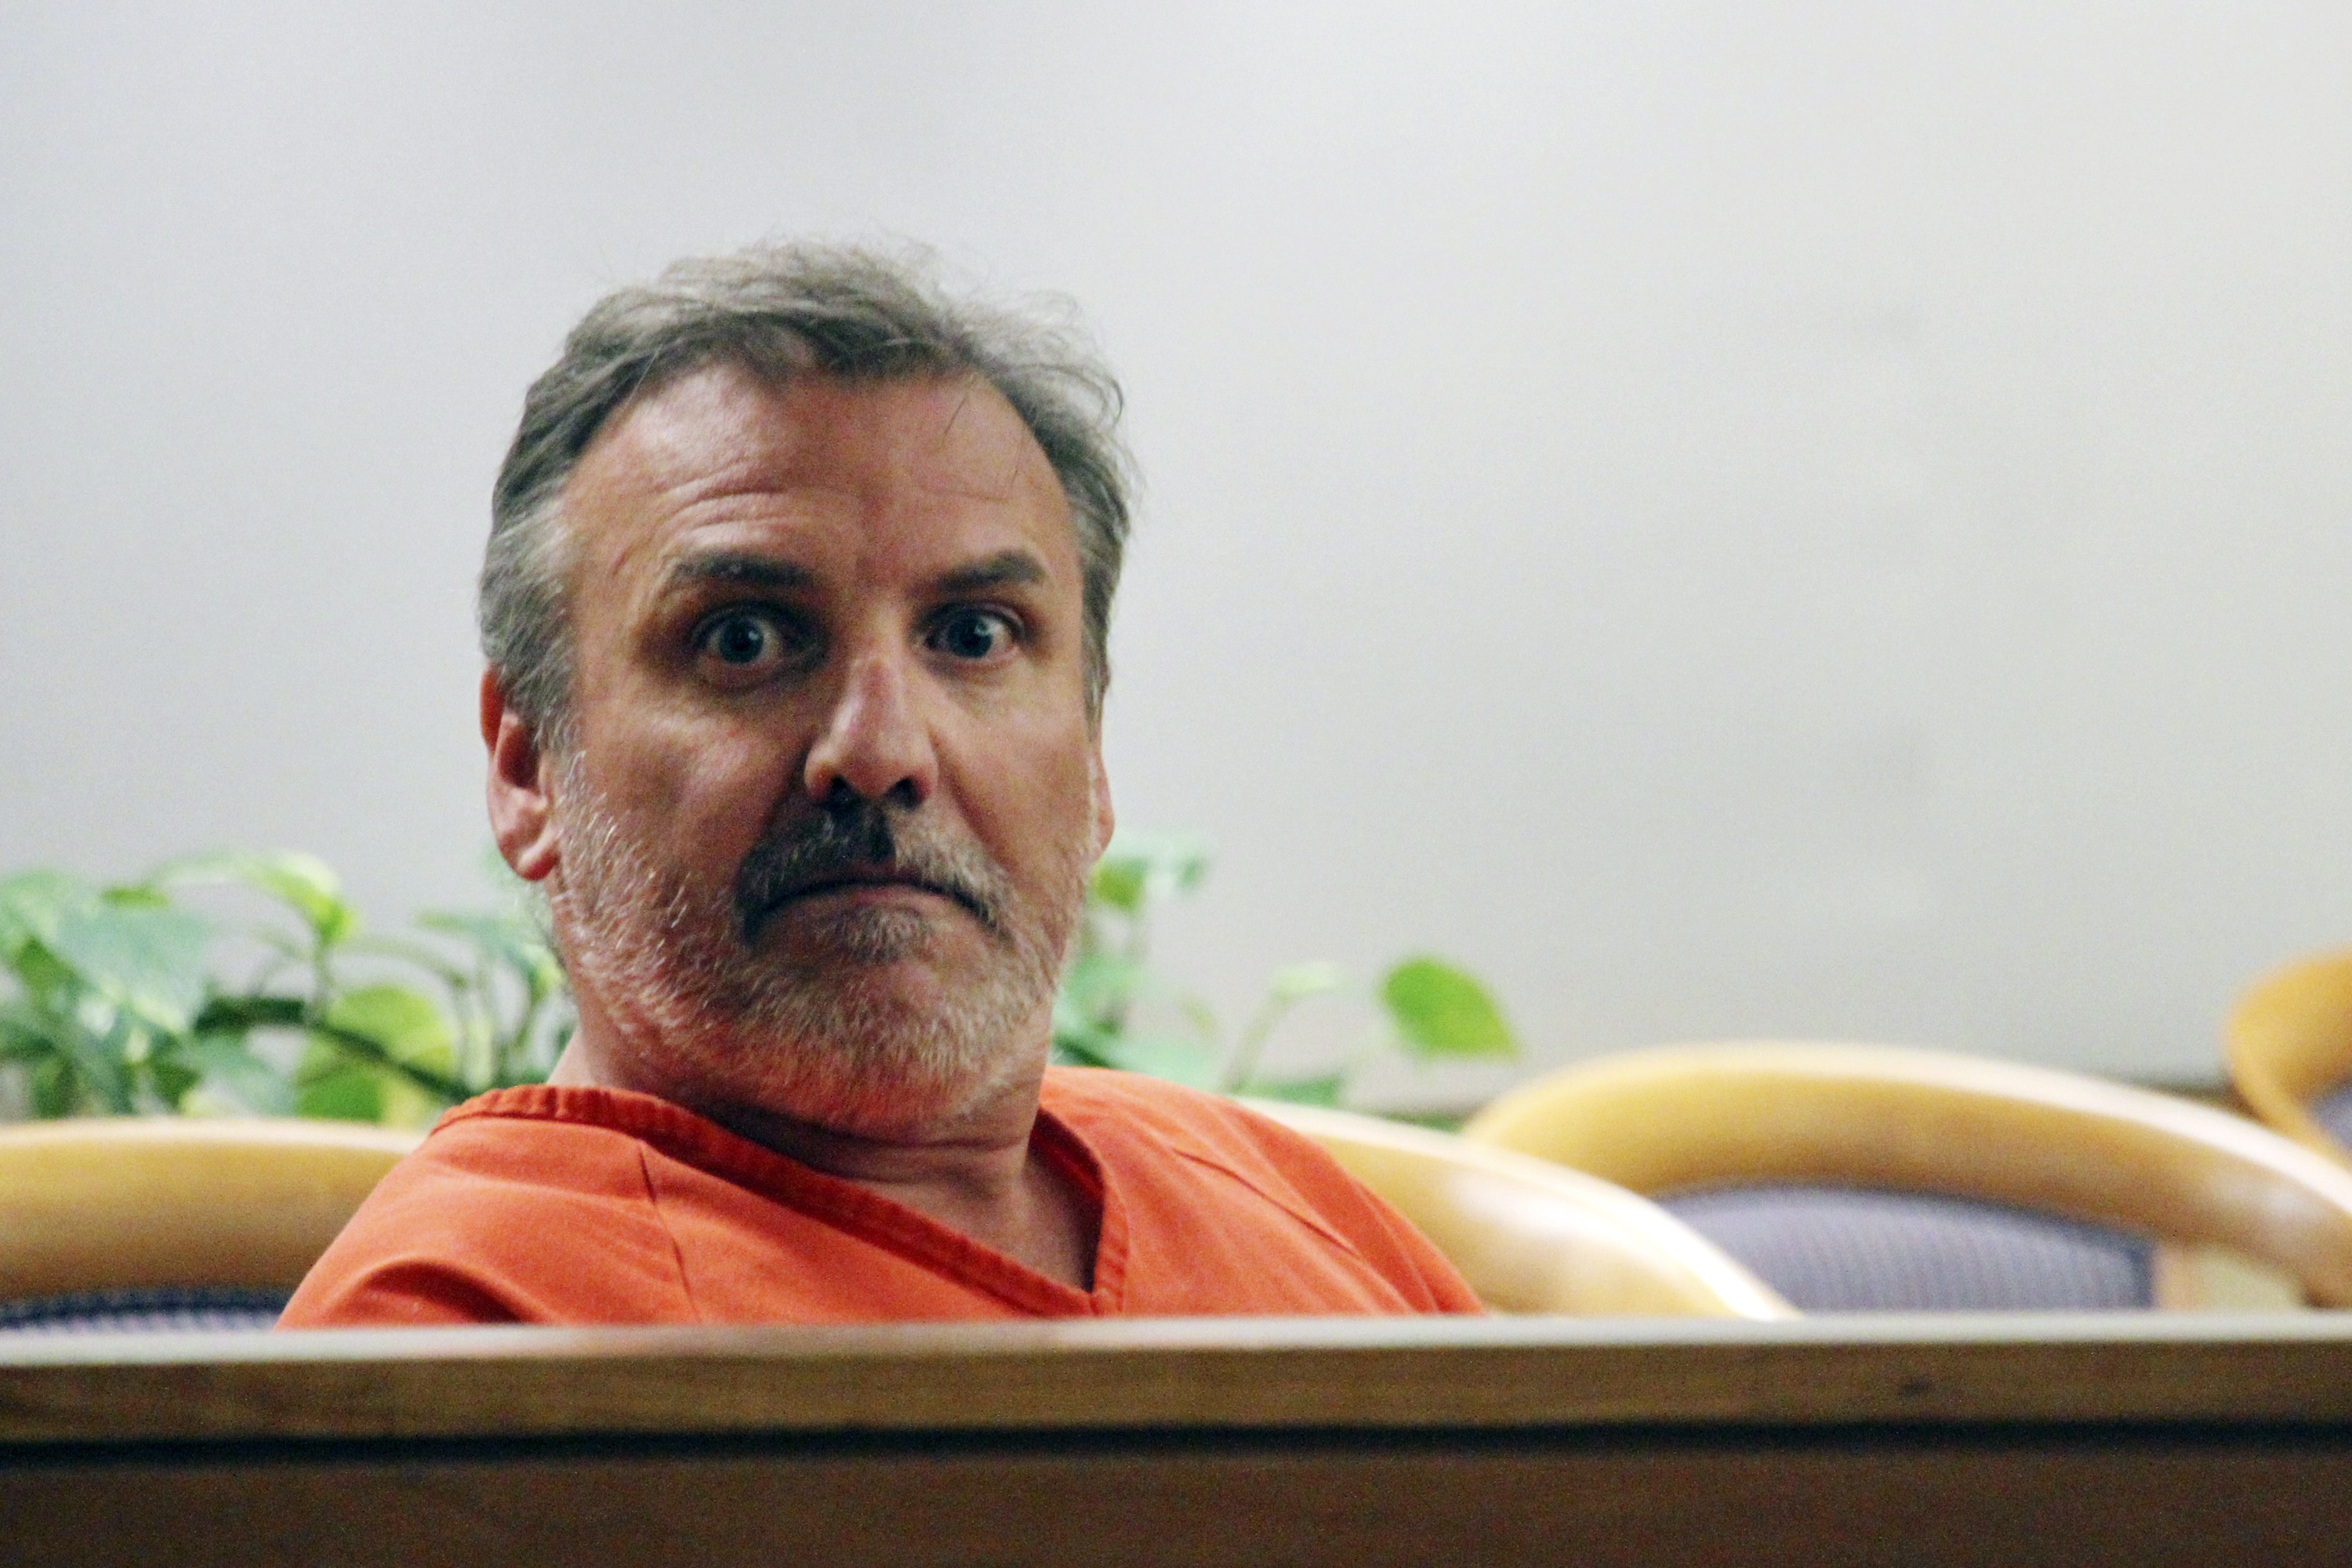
<point x="781" y="311"/>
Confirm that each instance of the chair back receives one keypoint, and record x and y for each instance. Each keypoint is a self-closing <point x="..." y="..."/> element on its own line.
<point x="107" y="1203"/>
<point x="1889" y="1118"/>
<point x="1530" y="1237"/>
<point x="2290" y="1043"/>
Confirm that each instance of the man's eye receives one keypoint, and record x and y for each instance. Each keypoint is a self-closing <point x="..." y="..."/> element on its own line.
<point x="973" y="634"/>
<point x="742" y="639"/>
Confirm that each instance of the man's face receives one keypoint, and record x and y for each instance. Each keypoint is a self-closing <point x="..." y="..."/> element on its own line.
<point x="834" y="792"/>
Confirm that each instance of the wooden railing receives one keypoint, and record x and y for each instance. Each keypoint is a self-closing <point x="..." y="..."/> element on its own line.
<point x="2123" y="1438"/>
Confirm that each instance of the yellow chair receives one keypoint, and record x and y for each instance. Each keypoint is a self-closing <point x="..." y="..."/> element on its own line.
<point x="1707" y="1116"/>
<point x="1531" y="1238"/>
<point x="2290" y="1041"/>
<point x="118" y="1202"/>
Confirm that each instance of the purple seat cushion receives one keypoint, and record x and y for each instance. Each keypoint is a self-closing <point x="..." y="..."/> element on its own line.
<point x="2332" y="1111"/>
<point x="1843" y="1249"/>
<point x="144" y="1310"/>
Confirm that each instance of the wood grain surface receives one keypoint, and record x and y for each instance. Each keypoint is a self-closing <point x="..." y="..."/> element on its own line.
<point x="2118" y="1439"/>
<point x="1493" y="1373"/>
<point x="1624" y="1499"/>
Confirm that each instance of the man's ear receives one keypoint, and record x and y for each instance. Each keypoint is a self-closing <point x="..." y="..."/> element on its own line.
<point x="521" y="819"/>
<point x="1098" y="797"/>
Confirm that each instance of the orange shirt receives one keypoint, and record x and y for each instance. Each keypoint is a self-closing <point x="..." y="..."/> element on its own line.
<point x="592" y="1205"/>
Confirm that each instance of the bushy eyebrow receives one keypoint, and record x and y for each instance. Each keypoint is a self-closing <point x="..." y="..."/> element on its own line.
<point x="743" y="569"/>
<point x="998" y="571"/>
<point x="736" y="569"/>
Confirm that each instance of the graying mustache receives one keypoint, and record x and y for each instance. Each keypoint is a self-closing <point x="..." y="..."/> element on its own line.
<point x="832" y="845"/>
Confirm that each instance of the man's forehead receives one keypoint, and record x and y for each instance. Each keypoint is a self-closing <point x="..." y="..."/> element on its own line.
<point x="724" y="429"/>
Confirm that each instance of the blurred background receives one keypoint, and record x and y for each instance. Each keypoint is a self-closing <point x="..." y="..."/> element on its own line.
<point x="1802" y="518"/>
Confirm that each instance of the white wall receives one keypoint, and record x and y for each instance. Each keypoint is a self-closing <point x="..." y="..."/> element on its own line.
<point x="1731" y="519"/>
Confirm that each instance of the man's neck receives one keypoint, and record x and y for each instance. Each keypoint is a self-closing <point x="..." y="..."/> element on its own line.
<point x="978" y="1175"/>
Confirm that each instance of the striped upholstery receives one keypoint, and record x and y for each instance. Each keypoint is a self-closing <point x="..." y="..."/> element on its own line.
<point x="1842" y="1249"/>
<point x="2332" y="1111"/>
<point x="151" y="1308"/>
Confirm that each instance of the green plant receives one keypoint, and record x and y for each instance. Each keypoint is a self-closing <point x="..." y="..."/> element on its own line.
<point x="1115" y="1010"/>
<point x="119" y="1008"/>
<point x="119" y="1005"/>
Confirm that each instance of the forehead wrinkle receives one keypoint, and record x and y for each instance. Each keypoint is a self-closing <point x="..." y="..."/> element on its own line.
<point x="722" y="445"/>
<point x="724" y="428"/>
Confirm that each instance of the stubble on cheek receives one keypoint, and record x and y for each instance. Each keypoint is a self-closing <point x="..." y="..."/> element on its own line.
<point x="816" y="1018"/>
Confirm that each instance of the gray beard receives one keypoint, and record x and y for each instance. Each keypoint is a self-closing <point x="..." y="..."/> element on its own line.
<point x="816" y="1031"/>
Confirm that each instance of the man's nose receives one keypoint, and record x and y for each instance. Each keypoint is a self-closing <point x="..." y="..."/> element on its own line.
<point x="875" y="743"/>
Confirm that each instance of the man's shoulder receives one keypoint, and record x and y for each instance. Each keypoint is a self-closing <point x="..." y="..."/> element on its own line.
<point x="520" y="1145"/>
<point x="511" y="1205"/>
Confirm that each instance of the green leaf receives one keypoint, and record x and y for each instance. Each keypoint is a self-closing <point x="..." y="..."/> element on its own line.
<point x="1175" y="1057"/>
<point x="1119" y="884"/>
<point x="97" y="1066"/>
<point x="404" y="1022"/>
<point x="356" y="1076"/>
<point x="1296" y="981"/>
<point x="347" y="1092"/>
<point x="511" y="940"/>
<point x="172" y="1078"/>
<point x="1324" y="1088"/>
<point x="50" y="984"/>
<point x="1099" y="982"/>
<point x="1442" y="1011"/>
<point x="1080" y="1048"/>
<point x="149" y="960"/>
<point x="53" y="1088"/>
<point x="32" y="902"/>
<point x="227" y="1062"/>
<point x="1140" y="867"/>
<point x="304" y="883"/>
<point x="1069" y="1018"/>
<point x="28" y="1033"/>
<point x="235" y="1014"/>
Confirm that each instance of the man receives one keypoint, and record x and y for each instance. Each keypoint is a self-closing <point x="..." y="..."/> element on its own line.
<point x="796" y="606"/>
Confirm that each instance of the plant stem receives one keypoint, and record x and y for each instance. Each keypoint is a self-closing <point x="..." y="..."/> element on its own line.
<point x="506" y="1051"/>
<point x="1242" y="1065"/>
<point x="294" y="1012"/>
<point x="448" y="1090"/>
